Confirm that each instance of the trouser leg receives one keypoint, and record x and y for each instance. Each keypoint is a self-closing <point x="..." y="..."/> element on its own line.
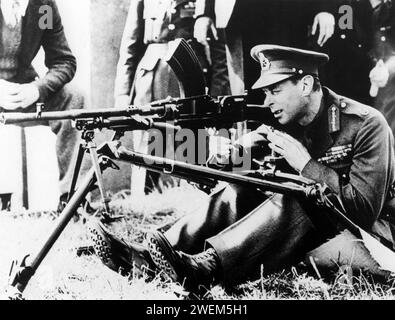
<point x="67" y="137"/>
<point x="225" y="207"/>
<point x="151" y="85"/>
<point x="275" y="235"/>
<point x="220" y="84"/>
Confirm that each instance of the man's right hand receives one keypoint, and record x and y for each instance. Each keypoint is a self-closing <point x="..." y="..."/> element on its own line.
<point x="15" y="96"/>
<point x="379" y="77"/>
<point x="203" y="26"/>
<point x="220" y="149"/>
<point x="8" y="93"/>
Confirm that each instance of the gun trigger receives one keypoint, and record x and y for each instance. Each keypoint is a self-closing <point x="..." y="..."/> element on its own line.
<point x="113" y="165"/>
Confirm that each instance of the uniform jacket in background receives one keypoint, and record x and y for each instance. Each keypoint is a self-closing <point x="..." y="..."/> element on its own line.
<point x="59" y="59"/>
<point x="150" y="21"/>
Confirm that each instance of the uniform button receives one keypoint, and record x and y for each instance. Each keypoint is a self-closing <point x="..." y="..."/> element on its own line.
<point x="343" y="105"/>
<point x="171" y="27"/>
<point x="173" y="11"/>
<point x="343" y="36"/>
<point x="383" y="38"/>
<point x="360" y="46"/>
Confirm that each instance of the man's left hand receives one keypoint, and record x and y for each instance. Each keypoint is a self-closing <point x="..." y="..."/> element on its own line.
<point x="291" y="149"/>
<point x="23" y="96"/>
<point x="325" y="22"/>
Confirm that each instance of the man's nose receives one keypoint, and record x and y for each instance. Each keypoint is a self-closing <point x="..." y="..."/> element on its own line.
<point x="268" y="100"/>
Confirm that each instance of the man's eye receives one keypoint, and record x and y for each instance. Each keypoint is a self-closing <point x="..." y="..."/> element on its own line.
<point x="275" y="91"/>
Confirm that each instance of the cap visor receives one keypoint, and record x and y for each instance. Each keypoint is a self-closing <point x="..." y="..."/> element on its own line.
<point x="270" y="79"/>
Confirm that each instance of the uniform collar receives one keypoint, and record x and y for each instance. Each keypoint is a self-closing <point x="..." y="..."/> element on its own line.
<point x="317" y="135"/>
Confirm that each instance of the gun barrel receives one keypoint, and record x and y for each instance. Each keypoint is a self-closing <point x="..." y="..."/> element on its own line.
<point x="185" y="170"/>
<point x="19" y="117"/>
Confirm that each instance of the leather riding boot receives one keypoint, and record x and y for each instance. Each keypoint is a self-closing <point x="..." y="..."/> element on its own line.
<point x="226" y="206"/>
<point x="193" y="271"/>
<point x="275" y="235"/>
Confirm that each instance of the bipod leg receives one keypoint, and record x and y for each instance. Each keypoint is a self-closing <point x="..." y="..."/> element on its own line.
<point x="77" y="168"/>
<point x="92" y="147"/>
<point x="25" y="271"/>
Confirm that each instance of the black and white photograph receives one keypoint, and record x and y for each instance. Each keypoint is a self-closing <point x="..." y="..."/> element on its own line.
<point x="208" y="151"/>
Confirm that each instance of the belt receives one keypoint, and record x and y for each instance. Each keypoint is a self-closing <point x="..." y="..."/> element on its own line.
<point x="157" y="49"/>
<point x="162" y="46"/>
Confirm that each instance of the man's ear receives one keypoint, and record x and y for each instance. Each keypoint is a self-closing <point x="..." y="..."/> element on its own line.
<point x="307" y="85"/>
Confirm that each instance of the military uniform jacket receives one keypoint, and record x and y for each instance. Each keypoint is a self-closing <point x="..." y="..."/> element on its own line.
<point x="150" y="21"/>
<point x="352" y="149"/>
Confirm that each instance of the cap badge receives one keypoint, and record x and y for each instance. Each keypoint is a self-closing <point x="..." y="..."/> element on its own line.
<point x="265" y="63"/>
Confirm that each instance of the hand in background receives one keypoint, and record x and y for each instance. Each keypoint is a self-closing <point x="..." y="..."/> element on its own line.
<point x="378" y="77"/>
<point x="202" y="29"/>
<point x="325" y="23"/>
<point x="15" y="96"/>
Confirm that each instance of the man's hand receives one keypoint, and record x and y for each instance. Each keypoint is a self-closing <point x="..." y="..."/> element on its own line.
<point x="203" y="26"/>
<point x="220" y="149"/>
<point x="291" y="149"/>
<point x="325" y="22"/>
<point x="17" y="96"/>
<point x="378" y="77"/>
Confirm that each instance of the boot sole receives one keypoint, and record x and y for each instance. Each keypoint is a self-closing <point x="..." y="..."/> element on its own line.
<point x="162" y="253"/>
<point x="102" y="247"/>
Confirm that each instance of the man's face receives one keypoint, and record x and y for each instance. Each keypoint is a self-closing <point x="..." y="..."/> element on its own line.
<point x="286" y="101"/>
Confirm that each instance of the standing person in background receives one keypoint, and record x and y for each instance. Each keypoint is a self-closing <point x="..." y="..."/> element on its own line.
<point x="361" y="53"/>
<point x="143" y="75"/>
<point x="21" y="37"/>
<point x="382" y="76"/>
<point x="363" y="63"/>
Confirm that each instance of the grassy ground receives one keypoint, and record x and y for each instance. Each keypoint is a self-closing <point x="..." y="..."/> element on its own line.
<point x="65" y="276"/>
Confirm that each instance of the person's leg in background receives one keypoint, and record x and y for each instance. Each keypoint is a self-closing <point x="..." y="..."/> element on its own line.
<point x="67" y="137"/>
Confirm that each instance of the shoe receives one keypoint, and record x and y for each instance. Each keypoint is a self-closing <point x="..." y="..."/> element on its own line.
<point x="62" y="203"/>
<point x="64" y="199"/>
<point x="119" y="256"/>
<point x="192" y="271"/>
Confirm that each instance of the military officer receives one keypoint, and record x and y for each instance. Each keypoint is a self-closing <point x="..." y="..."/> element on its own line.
<point x="361" y="51"/>
<point x="324" y="137"/>
<point x="382" y="76"/>
<point x="143" y="75"/>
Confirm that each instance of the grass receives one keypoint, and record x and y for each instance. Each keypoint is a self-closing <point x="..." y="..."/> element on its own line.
<point x="65" y="276"/>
